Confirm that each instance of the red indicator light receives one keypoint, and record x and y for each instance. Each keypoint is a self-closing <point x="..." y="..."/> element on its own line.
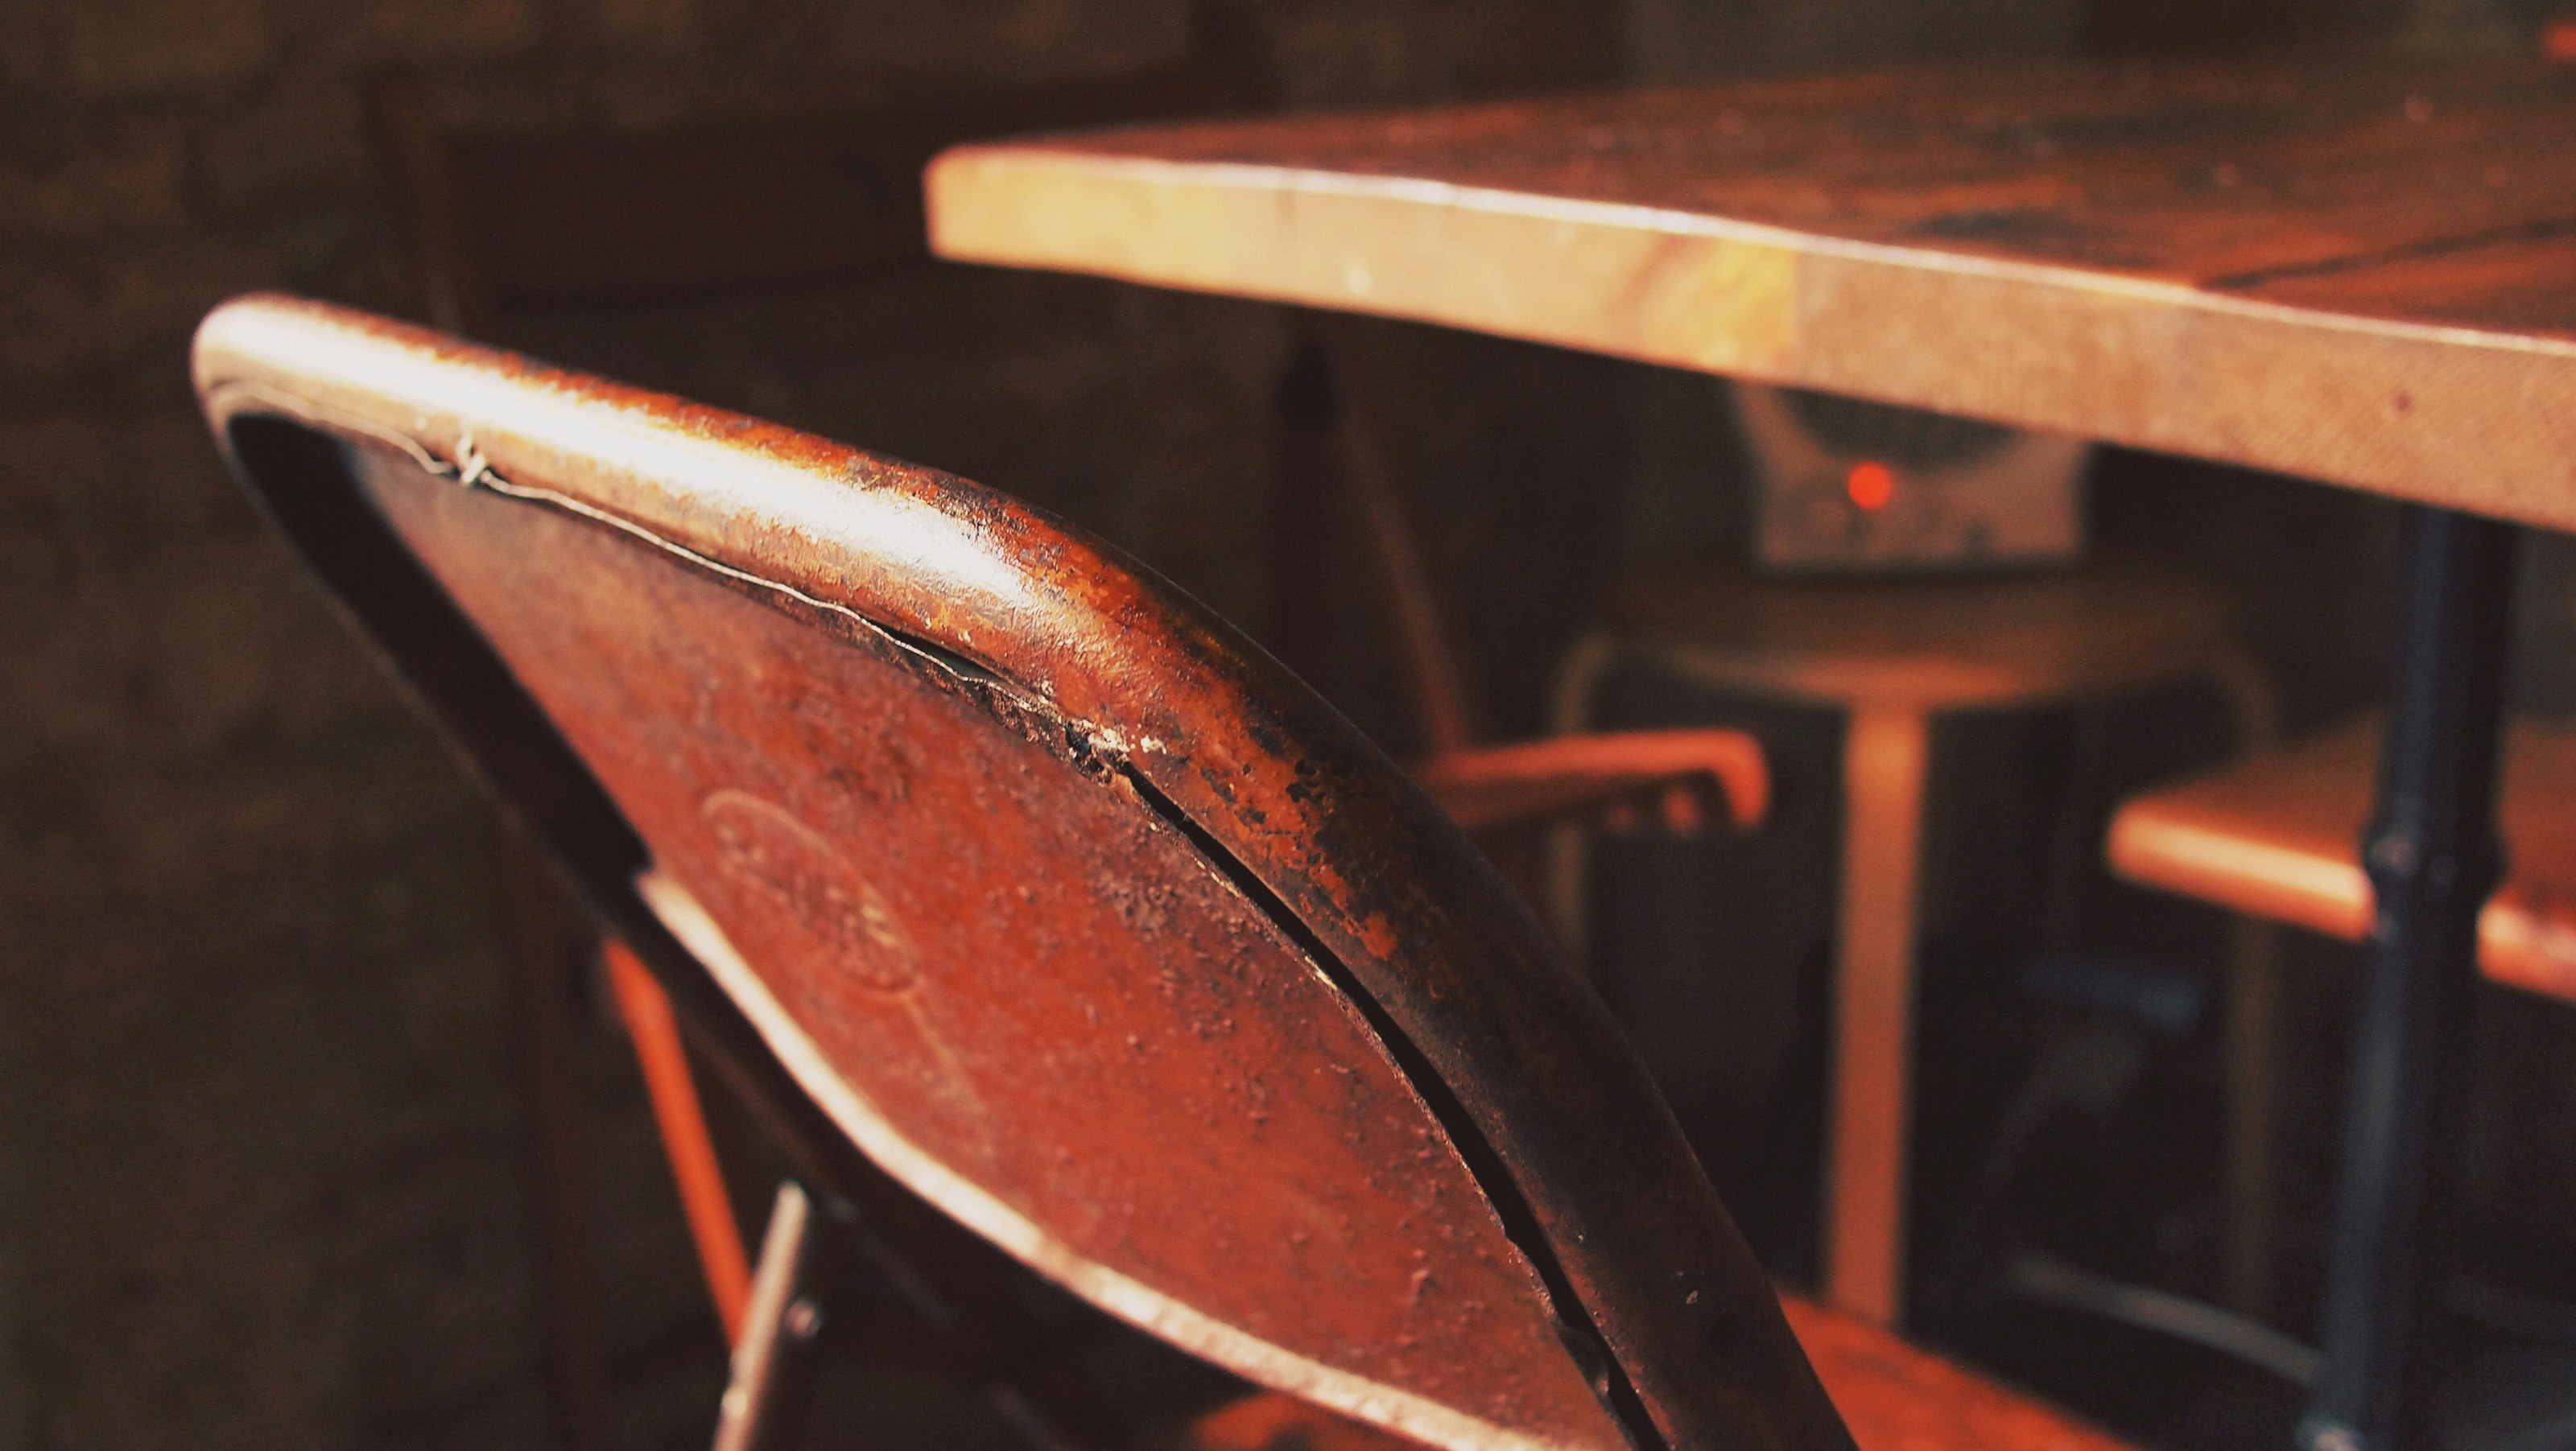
<point x="1870" y="485"/>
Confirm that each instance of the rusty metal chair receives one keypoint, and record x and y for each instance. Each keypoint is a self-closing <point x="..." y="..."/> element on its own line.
<point x="516" y="223"/>
<point x="987" y="865"/>
<point x="520" y="222"/>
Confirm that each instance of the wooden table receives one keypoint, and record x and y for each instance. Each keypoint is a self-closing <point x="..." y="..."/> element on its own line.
<point x="2364" y="275"/>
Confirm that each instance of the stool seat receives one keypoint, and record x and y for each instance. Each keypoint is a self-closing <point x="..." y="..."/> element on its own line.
<point x="1935" y="642"/>
<point x="2278" y="837"/>
<point x="1892" y="1396"/>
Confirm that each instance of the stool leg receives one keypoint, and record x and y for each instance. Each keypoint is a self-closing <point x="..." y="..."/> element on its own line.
<point x="2250" y="1038"/>
<point x="1885" y="756"/>
<point x="2433" y="856"/>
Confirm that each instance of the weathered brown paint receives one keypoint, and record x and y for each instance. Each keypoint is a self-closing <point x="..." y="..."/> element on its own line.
<point x="1072" y="908"/>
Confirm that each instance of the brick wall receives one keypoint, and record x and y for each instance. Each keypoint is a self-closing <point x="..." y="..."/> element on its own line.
<point x="258" y="1173"/>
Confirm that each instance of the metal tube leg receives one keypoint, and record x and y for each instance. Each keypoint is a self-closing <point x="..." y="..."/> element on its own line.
<point x="2433" y="856"/>
<point x="778" y="1328"/>
<point x="2249" y="1031"/>
<point x="1884" y="759"/>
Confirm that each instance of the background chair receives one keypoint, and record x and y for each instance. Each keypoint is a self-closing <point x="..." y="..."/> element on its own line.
<point x="981" y="857"/>
<point x="1334" y="470"/>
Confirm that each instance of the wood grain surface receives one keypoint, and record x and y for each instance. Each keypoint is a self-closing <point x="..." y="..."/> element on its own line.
<point x="2358" y="273"/>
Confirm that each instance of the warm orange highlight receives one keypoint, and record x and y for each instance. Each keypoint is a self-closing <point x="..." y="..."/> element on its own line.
<point x="647" y="1011"/>
<point x="1871" y="484"/>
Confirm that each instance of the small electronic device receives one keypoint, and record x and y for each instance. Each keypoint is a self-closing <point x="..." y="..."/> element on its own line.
<point x="1846" y="485"/>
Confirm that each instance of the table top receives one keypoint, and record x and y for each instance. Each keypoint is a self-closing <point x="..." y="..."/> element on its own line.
<point x="2362" y="273"/>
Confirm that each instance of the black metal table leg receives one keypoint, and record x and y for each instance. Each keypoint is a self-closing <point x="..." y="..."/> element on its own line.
<point x="2433" y="856"/>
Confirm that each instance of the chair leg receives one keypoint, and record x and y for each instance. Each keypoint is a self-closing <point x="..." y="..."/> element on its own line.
<point x="780" y="1324"/>
<point x="646" y="1010"/>
<point x="1885" y="759"/>
<point x="2250" y="1038"/>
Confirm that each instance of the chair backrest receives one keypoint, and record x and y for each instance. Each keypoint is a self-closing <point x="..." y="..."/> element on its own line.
<point x="1053" y="895"/>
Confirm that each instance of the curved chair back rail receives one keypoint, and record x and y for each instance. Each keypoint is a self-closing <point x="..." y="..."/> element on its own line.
<point x="1051" y="893"/>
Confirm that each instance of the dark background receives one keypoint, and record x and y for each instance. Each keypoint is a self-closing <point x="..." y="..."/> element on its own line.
<point x="259" y="1174"/>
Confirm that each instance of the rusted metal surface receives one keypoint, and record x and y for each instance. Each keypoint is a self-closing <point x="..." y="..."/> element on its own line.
<point x="507" y="219"/>
<point x="1897" y="1398"/>
<point x="1280" y="1423"/>
<point x="1061" y="901"/>
<point x="1053" y="1018"/>
<point x="1893" y="1396"/>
